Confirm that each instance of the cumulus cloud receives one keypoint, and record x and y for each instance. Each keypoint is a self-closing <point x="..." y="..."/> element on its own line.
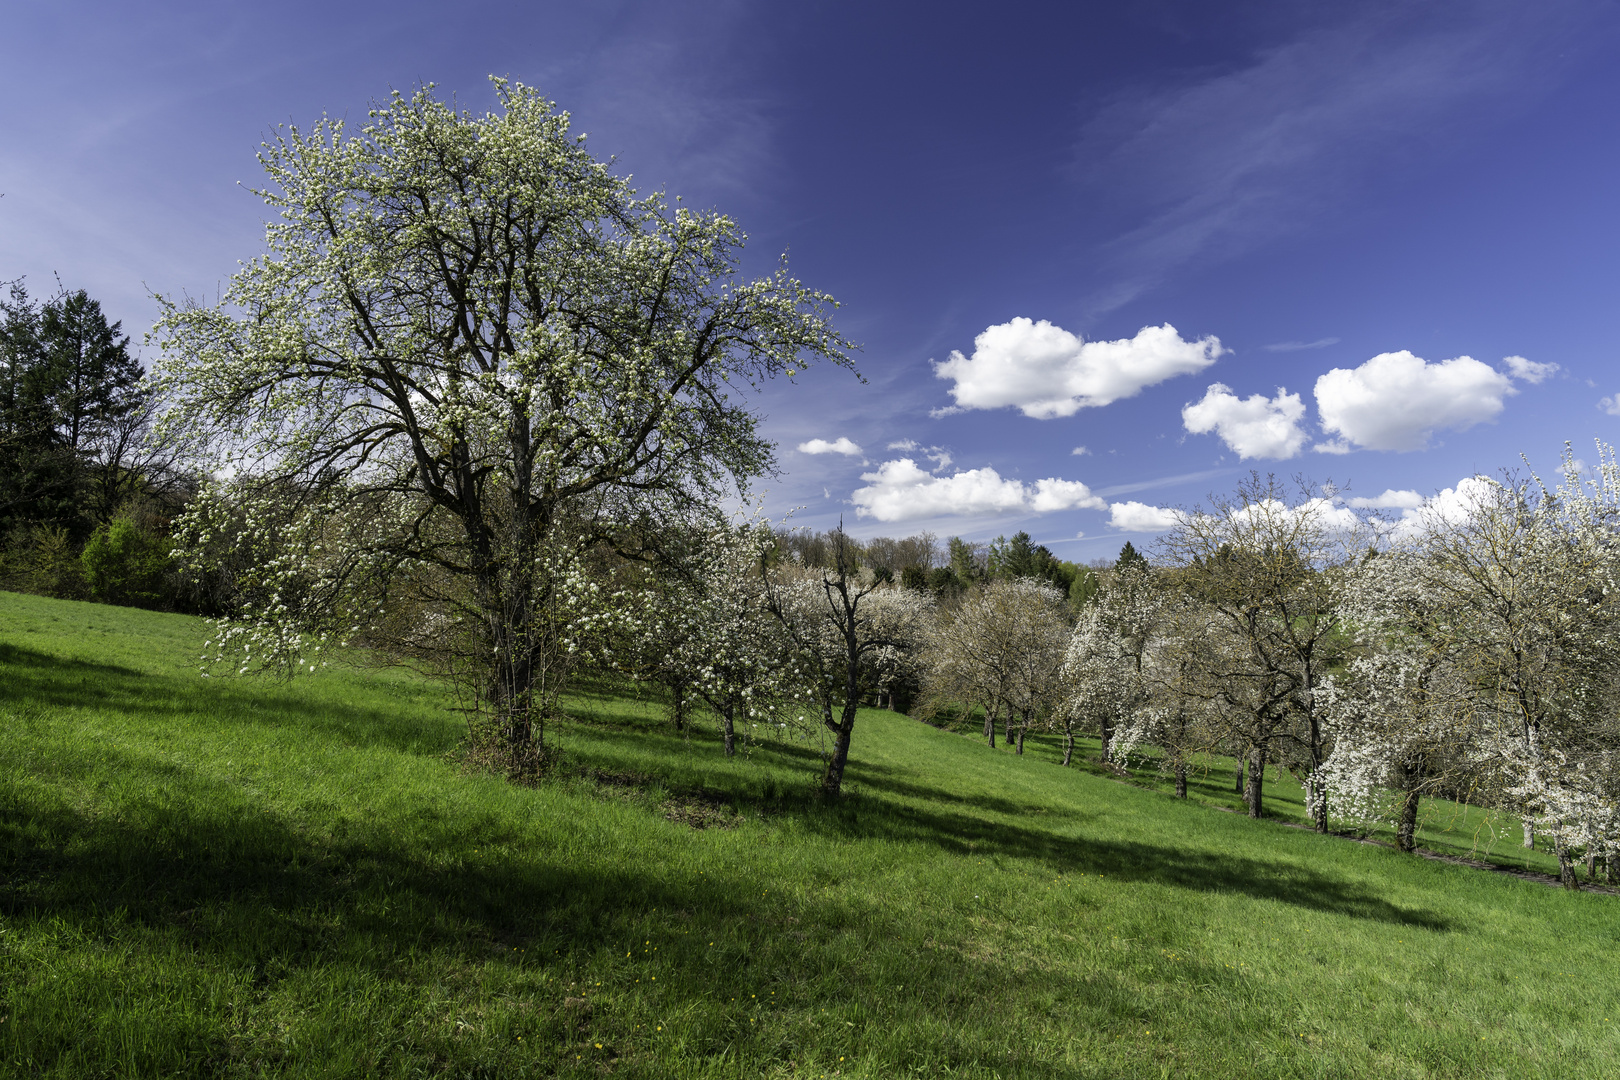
<point x="1391" y="499"/>
<point x="1528" y="370"/>
<point x="1453" y="505"/>
<point x="1079" y="451"/>
<point x="1133" y="516"/>
<point x="901" y="490"/>
<point x="1323" y="512"/>
<point x="1047" y="372"/>
<point x="840" y="445"/>
<point x="1254" y="427"/>
<point x="1610" y="405"/>
<point x="1396" y="401"/>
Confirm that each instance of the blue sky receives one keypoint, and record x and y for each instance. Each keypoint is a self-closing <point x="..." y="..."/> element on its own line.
<point x="1351" y="216"/>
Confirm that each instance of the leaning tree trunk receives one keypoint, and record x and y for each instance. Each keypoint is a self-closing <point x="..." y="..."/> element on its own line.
<point x="832" y="781"/>
<point x="1256" y="789"/>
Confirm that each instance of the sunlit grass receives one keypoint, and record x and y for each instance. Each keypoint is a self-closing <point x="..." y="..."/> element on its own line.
<point x="224" y="878"/>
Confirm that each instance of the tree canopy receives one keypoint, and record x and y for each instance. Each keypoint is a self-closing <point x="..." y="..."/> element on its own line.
<point x="470" y="353"/>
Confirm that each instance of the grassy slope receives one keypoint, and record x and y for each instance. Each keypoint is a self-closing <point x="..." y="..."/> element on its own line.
<point x="1446" y="827"/>
<point x="241" y="878"/>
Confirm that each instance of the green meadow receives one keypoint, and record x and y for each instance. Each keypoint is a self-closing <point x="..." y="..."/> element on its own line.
<point x="223" y="878"/>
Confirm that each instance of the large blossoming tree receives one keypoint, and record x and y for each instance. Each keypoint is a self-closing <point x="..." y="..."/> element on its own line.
<point x="470" y="355"/>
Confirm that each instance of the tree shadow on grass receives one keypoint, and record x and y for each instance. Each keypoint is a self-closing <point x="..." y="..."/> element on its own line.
<point x="1180" y="867"/>
<point x="36" y="680"/>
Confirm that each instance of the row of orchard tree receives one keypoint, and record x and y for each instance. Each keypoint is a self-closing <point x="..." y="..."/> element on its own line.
<point x="1470" y="651"/>
<point x="474" y="406"/>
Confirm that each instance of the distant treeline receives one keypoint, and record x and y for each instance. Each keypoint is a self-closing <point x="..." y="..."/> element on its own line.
<point x="920" y="562"/>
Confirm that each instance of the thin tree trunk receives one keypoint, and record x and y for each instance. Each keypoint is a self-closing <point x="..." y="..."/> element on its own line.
<point x="990" y="727"/>
<point x="1238" y="787"/>
<point x="1256" y="790"/>
<point x="728" y="731"/>
<point x="1009" y="735"/>
<point x="832" y="783"/>
<point x="1181" y="778"/>
<point x="1068" y="745"/>
<point x="1406" y="824"/>
<point x="1021" y="731"/>
<point x="1107" y="733"/>
<point x="679" y="693"/>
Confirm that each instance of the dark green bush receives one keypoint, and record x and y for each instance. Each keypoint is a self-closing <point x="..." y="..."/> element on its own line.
<point x="125" y="564"/>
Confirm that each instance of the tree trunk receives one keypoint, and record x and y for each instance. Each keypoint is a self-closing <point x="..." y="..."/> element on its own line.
<point x="679" y="694"/>
<point x="1406" y="824"/>
<point x="727" y="729"/>
<point x="1566" y="865"/>
<point x="1529" y="831"/>
<point x="832" y="782"/>
<point x="1068" y="745"/>
<point x="1181" y="779"/>
<point x="1107" y="734"/>
<point x="1238" y="787"/>
<point x="1021" y="739"/>
<point x="1591" y="866"/>
<point x="990" y="727"/>
<point x="1009" y="735"/>
<point x="1256" y="789"/>
<point x="1318" y="797"/>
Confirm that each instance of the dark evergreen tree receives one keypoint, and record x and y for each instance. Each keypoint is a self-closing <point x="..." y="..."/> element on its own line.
<point x="1129" y="557"/>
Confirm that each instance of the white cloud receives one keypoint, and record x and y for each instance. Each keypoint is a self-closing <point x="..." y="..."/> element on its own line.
<point x="1296" y="346"/>
<point x="901" y="490"/>
<point x="940" y="456"/>
<point x="841" y="445"/>
<point x="1046" y="371"/>
<point x="1140" y="517"/>
<point x="1610" y="405"/>
<point x="1528" y="370"/>
<point x="1254" y="427"/>
<point x="1391" y="499"/>
<point x="1395" y="401"/>
<point x="1450" y="506"/>
<point x="1053" y="494"/>
<point x="1079" y="451"/>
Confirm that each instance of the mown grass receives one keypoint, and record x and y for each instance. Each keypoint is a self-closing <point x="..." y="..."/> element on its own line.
<point x="236" y="878"/>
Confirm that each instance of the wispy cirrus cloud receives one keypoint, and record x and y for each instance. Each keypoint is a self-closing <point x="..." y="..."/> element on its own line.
<point x="1216" y="166"/>
<point x="1300" y="346"/>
